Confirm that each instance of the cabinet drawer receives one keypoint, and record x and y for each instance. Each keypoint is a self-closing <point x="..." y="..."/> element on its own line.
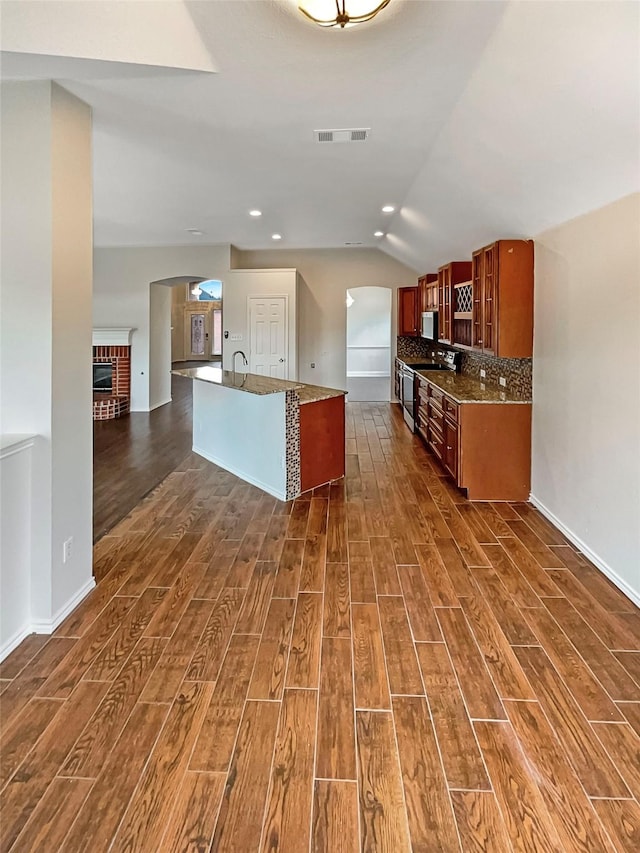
<point x="436" y="416"/>
<point x="451" y="409"/>
<point x="421" y="426"/>
<point x="435" y="439"/>
<point x="435" y="394"/>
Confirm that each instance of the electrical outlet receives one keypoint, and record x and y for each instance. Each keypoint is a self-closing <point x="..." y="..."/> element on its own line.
<point x="483" y="373"/>
<point x="313" y="364"/>
<point x="236" y="337"/>
<point x="67" y="549"/>
<point x="503" y="381"/>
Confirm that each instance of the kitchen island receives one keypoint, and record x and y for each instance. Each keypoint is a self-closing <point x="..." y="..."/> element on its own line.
<point x="283" y="437"/>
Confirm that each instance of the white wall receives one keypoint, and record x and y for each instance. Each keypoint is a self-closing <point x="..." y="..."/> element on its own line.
<point x="325" y="276"/>
<point x="72" y="424"/>
<point x="586" y="380"/>
<point x="239" y="286"/>
<point x="243" y="433"/>
<point x="159" y="345"/>
<point x="121" y="295"/>
<point x="45" y="347"/>
<point x="15" y="542"/>
<point x="369" y="332"/>
<point x="25" y="256"/>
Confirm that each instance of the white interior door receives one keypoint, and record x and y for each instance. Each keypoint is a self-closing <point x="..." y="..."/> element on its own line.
<point x="268" y="322"/>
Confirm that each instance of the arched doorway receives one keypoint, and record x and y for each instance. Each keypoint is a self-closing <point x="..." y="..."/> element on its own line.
<point x="369" y="344"/>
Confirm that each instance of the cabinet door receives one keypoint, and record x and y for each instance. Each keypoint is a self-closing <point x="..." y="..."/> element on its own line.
<point x="444" y="304"/>
<point x="476" y="279"/>
<point x="489" y="298"/>
<point x="422" y="294"/>
<point x="450" y="447"/>
<point x="408" y="312"/>
<point x="432" y="297"/>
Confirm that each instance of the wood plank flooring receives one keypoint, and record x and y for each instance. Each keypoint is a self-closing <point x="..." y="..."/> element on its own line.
<point x="377" y="666"/>
<point x="131" y="455"/>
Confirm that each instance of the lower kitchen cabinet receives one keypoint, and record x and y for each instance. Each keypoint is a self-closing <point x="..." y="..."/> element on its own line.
<point x="485" y="447"/>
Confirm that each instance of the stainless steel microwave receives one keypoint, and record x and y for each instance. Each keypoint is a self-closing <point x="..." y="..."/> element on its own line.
<point x="429" y="325"/>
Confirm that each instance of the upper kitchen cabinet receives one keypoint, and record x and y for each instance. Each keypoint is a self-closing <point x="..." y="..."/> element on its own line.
<point x="428" y="292"/>
<point x="502" y="322"/>
<point x="408" y="309"/>
<point x="448" y="276"/>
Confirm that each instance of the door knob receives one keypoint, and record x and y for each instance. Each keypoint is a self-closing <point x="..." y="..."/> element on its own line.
<point x="281" y="359"/>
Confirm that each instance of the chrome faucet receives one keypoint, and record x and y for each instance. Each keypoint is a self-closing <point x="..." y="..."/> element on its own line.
<point x="233" y="359"/>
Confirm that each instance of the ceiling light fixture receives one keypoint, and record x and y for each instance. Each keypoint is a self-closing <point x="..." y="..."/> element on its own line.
<point x="276" y="236"/>
<point x="378" y="234"/>
<point x="195" y="232"/>
<point x="255" y="213"/>
<point x="334" y="13"/>
<point x="388" y="208"/>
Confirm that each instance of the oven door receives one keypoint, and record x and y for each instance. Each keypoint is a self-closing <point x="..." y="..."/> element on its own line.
<point x="408" y="398"/>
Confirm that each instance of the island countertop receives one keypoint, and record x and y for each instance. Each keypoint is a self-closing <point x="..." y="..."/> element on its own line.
<point x="253" y="383"/>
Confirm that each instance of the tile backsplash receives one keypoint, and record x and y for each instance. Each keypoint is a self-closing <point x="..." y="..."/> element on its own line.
<point x="517" y="371"/>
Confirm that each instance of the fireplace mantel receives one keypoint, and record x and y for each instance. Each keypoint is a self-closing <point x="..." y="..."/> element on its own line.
<point x="112" y="337"/>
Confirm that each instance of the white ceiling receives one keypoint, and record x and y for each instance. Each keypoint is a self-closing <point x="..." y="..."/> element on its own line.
<point x="488" y="119"/>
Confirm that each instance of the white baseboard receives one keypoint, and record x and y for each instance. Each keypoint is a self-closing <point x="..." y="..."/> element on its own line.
<point x="46" y="626"/>
<point x="281" y="496"/>
<point x="605" y="568"/>
<point x="161" y="403"/>
<point x="13" y="642"/>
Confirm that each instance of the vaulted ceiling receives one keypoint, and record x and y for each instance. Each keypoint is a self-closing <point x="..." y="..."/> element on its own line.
<point x="488" y="119"/>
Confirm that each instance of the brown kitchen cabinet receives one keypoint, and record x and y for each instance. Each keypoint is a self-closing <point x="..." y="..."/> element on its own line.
<point x="322" y="447"/>
<point x="448" y="276"/>
<point x="502" y="312"/>
<point x="408" y="312"/>
<point x="428" y="292"/>
<point x="485" y="447"/>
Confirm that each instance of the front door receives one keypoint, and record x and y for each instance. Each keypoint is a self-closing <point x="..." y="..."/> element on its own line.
<point x="268" y="336"/>
<point x="198" y="336"/>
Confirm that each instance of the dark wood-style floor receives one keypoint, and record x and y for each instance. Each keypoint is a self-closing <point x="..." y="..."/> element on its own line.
<point x="377" y="666"/>
<point x="131" y="455"/>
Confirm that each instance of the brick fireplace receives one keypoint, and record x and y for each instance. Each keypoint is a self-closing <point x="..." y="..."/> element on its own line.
<point x="113" y="347"/>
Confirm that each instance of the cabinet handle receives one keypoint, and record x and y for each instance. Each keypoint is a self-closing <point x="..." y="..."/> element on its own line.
<point x="449" y="447"/>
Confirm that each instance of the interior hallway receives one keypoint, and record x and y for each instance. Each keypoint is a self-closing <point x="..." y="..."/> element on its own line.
<point x="379" y="666"/>
<point x="131" y="455"/>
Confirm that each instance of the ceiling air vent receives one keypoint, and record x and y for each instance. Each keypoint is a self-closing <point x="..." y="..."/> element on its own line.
<point x="359" y="134"/>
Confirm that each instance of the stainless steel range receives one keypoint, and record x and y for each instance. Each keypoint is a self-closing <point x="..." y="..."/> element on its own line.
<point x="444" y="360"/>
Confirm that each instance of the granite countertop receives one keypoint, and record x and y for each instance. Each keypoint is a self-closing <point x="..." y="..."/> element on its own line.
<point x="467" y="389"/>
<point x="315" y="393"/>
<point x="253" y="383"/>
<point x="411" y="361"/>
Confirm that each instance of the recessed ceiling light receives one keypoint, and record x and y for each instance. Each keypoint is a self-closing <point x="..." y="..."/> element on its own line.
<point x="379" y="234"/>
<point x="195" y="232"/>
<point x="276" y="236"/>
<point x="255" y="213"/>
<point x="388" y="208"/>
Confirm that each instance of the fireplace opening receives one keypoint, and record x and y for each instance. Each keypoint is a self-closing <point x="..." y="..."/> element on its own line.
<point x="102" y="378"/>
